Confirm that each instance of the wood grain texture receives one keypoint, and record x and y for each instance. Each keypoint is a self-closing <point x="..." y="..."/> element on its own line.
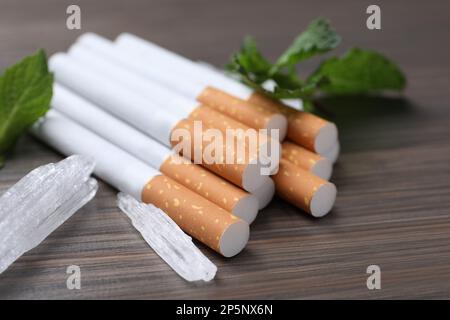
<point x="393" y="206"/>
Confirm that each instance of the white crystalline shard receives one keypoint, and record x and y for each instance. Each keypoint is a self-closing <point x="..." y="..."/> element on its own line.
<point x="167" y="239"/>
<point x="40" y="202"/>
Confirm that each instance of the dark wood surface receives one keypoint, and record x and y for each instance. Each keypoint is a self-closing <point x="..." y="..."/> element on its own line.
<point x="393" y="177"/>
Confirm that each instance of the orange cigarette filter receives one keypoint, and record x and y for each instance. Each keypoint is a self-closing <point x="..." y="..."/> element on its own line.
<point x="243" y="111"/>
<point x="215" y="119"/>
<point x="304" y="190"/>
<point x="212" y="225"/>
<point x="244" y="173"/>
<point x="211" y="187"/>
<point x="306" y="159"/>
<point x="272" y="148"/>
<point x="304" y="128"/>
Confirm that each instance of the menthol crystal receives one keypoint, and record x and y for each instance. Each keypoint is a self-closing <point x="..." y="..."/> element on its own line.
<point x="40" y="202"/>
<point x="167" y="239"/>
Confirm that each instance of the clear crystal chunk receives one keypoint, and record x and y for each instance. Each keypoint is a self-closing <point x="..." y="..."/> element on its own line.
<point x="40" y="202"/>
<point x="167" y="239"/>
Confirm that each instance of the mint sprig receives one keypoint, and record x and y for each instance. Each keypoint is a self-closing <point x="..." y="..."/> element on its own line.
<point x="318" y="38"/>
<point x="358" y="71"/>
<point x="25" y="95"/>
<point x="254" y="70"/>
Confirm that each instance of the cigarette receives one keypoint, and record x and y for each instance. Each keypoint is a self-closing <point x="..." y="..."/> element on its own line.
<point x="333" y="153"/>
<point x="246" y="174"/>
<point x="244" y="111"/>
<point x="211" y="187"/>
<point x="267" y="149"/>
<point x="265" y="193"/>
<point x="304" y="190"/>
<point x="143" y="113"/>
<point x="176" y="103"/>
<point x="319" y="165"/>
<point x="208" y="223"/>
<point x="201" y="181"/>
<point x="193" y="82"/>
<point x="306" y="129"/>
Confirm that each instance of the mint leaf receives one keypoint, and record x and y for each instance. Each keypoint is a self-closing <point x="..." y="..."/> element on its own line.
<point x="357" y="72"/>
<point x="254" y="70"/>
<point x="251" y="58"/>
<point x="25" y="95"/>
<point x="287" y="79"/>
<point x="250" y="63"/>
<point x="318" y="38"/>
<point x="286" y="86"/>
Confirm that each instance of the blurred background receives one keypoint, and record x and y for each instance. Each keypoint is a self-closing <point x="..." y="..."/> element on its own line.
<point x="412" y="34"/>
<point x="212" y="30"/>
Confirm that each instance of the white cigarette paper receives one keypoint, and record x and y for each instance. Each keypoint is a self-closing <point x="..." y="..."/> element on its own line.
<point x="152" y="52"/>
<point x="113" y="165"/>
<point x="176" y="103"/>
<point x="142" y="113"/>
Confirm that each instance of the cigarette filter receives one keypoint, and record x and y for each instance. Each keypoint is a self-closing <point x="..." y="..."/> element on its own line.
<point x="304" y="128"/>
<point x="181" y="170"/>
<point x="139" y="111"/>
<point x="304" y="190"/>
<point x="265" y="192"/>
<point x="211" y="187"/>
<point x="208" y="223"/>
<point x="308" y="130"/>
<point x="205" y="221"/>
<point x="333" y="153"/>
<point x="244" y="111"/>
<point x="268" y="150"/>
<point x="193" y="82"/>
<point x="308" y="160"/>
<point x="245" y="174"/>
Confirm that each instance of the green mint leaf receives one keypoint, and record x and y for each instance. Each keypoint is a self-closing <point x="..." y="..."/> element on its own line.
<point x="288" y="79"/>
<point x="254" y="70"/>
<point x="308" y="106"/>
<point x="318" y="38"/>
<point x="252" y="58"/>
<point x="25" y="94"/>
<point x="358" y="72"/>
<point x="250" y="62"/>
<point x="286" y="86"/>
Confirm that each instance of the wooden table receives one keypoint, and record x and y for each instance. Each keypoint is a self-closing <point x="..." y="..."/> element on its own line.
<point x="393" y="207"/>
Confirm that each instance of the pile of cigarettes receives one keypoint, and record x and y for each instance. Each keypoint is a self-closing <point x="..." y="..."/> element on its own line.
<point x="122" y="102"/>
